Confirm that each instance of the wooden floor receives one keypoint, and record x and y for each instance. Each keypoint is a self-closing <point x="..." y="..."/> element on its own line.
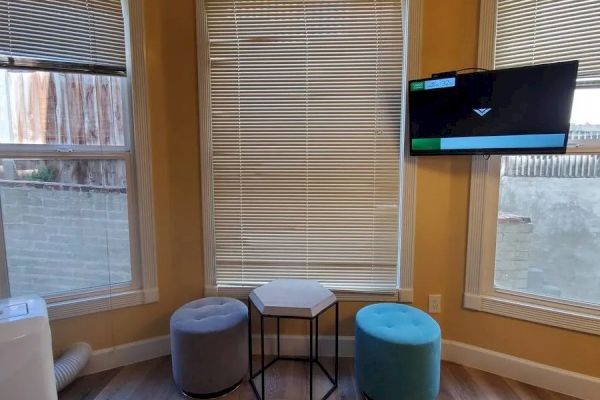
<point x="151" y="380"/>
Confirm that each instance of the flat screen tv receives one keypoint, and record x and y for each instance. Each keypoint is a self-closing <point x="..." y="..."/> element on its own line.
<point x="522" y="110"/>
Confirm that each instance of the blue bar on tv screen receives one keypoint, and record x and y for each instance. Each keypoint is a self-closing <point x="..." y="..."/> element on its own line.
<point x="545" y="140"/>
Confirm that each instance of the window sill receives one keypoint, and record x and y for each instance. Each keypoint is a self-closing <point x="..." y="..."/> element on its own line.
<point x="106" y="302"/>
<point x="542" y="314"/>
<point x="402" y="295"/>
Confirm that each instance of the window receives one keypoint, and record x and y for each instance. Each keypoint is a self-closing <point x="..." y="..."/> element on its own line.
<point x="68" y="197"/>
<point x="303" y="148"/>
<point x="533" y="234"/>
<point x="548" y="233"/>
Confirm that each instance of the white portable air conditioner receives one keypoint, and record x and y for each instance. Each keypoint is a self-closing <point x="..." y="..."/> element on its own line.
<point x="26" y="365"/>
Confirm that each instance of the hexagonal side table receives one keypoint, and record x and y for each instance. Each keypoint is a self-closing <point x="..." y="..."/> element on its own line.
<point x="293" y="299"/>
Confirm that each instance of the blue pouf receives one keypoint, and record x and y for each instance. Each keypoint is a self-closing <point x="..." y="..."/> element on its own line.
<point x="397" y="353"/>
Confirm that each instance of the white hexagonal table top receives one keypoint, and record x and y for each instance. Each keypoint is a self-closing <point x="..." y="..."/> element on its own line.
<point x="292" y="298"/>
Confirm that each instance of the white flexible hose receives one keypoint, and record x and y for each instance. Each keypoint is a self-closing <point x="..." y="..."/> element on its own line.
<point x="68" y="366"/>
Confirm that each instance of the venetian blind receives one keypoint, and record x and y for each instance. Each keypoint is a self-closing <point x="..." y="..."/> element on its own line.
<point x="63" y="34"/>
<point x="306" y="109"/>
<point x="539" y="31"/>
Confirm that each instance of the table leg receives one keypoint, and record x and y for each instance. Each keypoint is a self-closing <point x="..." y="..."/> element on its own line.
<point x="312" y="358"/>
<point x="317" y="339"/>
<point x="310" y="362"/>
<point x="337" y="335"/>
<point x="262" y="355"/>
<point x="250" y="336"/>
<point x="278" y="340"/>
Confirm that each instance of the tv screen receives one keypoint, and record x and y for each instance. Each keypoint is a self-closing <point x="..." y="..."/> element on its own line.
<point x="522" y="110"/>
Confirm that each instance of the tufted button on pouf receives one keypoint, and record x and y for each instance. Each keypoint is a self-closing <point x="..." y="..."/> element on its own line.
<point x="397" y="353"/>
<point x="209" y="346"/>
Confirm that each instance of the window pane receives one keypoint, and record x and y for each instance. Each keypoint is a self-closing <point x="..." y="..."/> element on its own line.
<point x="585" y="118"/>
<point x="65" y="224"/>
<point x="548" y="235"/>
<point x="585" y="107"/>
<point x="40" y="107"/>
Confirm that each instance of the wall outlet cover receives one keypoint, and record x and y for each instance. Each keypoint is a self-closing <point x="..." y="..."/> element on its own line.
<point x="435" y="303"/>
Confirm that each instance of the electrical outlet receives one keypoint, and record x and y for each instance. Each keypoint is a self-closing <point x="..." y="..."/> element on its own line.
<point x="435" y="303"/>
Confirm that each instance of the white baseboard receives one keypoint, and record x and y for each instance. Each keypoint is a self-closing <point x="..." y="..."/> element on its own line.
<point x="533" y="373"/>
<point x="536" y="374"/>
<point x="130" y="353"/>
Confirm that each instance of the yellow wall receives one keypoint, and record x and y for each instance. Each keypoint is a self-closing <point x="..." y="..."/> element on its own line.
<point x="450" y="29"/>
<point x="450" y="42"/>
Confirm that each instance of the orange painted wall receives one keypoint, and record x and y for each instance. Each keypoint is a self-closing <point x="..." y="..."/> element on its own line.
<point x="450" y="37"/>
<point x="450" y="31"/>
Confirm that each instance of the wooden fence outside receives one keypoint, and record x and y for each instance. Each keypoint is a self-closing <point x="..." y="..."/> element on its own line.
<point x="552" y="166"/>
<point x="40" y="107"/>
<point x="584" y="132"/>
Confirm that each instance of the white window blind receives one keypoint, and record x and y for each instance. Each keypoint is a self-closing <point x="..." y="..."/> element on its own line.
<point x="539" y="31"/>
<point x="85" y="35"/>
<point x="305" y="141"/>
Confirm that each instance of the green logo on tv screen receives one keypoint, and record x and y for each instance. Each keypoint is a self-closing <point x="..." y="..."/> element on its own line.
<point x="420" y="85"/>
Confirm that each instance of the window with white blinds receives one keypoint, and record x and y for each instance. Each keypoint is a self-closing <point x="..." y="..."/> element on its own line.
<point x="305" y="139"/>
<point x="540" y="31"/>
<point x="85" y="35"/>
<point x="544" y="203"/>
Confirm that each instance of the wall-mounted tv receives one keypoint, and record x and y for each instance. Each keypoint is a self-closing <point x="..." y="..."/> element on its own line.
<point x="523" y="110"/>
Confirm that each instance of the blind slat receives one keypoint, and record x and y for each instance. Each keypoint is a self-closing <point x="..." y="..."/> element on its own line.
<point x="74" y="34"/>
<point x="305" y="139"/>
<point x="541" y="31"/>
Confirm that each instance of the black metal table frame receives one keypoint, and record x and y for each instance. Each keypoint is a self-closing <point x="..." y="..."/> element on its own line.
<point x="313" y="321"/>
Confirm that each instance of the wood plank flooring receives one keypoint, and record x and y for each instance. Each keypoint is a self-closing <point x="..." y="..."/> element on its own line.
<point x="151" y="380"/>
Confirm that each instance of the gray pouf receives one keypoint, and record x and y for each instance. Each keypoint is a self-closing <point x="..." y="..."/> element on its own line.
<point x="209" y="346"/>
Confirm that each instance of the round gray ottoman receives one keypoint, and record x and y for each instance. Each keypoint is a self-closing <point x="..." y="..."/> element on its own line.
<point x="209" y="346"/>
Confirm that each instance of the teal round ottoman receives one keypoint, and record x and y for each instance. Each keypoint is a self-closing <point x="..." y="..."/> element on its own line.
<point x="397" y="353"/>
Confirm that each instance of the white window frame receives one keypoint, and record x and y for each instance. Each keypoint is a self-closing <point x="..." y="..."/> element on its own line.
<point x="412" y="14"/>
<point x="143" y="287"/>
<point x="480" y="293"/>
